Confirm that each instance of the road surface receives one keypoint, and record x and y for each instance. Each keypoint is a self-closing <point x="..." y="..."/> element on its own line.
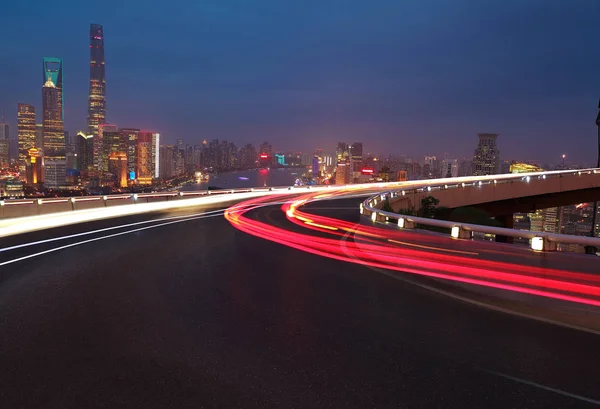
<point x="196" y="314"/>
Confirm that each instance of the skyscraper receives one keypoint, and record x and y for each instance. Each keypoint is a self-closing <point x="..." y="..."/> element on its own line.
<point x="148" y="157"/>
<point x="4" y="143"/>
<point x="53" y="109"/>
<point x="167" y="168"/>
<point x="486" y="160"/>
<point x="86" y="152"/>
<point x="25" y="133"/>
<point x="39" y="137"/>
<point x="100" y="151"/>
<point x="131" y="136"/>
<point x="97" y="97"/>
<point x="356" y="156"/>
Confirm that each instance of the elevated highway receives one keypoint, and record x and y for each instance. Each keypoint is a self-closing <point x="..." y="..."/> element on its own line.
<point x="288" y="302"/>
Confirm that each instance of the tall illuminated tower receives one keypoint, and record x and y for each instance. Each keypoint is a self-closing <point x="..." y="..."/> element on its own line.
<point x="25" y="133"/>
<point x="53" y="109"/>
<point x="97" y="97"/>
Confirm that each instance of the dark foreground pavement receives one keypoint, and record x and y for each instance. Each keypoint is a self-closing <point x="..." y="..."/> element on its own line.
<point x="199" y="315"/>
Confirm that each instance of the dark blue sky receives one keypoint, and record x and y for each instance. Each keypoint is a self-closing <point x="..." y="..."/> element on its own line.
<point x="415" y="77"/>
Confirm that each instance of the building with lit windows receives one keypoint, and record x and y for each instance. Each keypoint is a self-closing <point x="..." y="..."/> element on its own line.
<point x="265" y="154"/>
<point x="130" y="135"/>
<point x="486" y="160"/>
<point x="356" y="156"/>
<point x="97" y="96"/>
<point x="53" y="109"/>
<point x="4" y="152"/>
<point x="100" y="152"/>
<point x="4" y="142"/>
<point x="343" y="172"/>
<point x="34" y="167"/>
<point x="85" y="152"/>
<point x="148" y="157"/>
<point x="341" y="153"/>
<point x="167" y="168"/>
<point x="55" y="173"/>
<point x="11" y="188"/>
<point x="39" y="136"/>
<point x="25" y="133"/>
<point x="117" y="166"/>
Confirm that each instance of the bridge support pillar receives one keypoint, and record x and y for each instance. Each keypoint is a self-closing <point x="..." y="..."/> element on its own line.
<point x="507" y="222"/>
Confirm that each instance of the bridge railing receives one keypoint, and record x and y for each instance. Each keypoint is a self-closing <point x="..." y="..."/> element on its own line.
<point x="10" y="208"/>
<point x="542" y="241"/>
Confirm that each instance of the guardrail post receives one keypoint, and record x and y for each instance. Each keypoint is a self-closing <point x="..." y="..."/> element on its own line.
<point x="406" y="224"/>
<point x="542" y="244"/>
<point x="458" y="232"/>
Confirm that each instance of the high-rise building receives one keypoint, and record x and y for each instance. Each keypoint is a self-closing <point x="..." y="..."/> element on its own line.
<point x="342" y="153"/>
<point x="34" y="166"/>
<point x="148" y="157"/>
<point x="25" y="133"/>
<point x="356" y="156"/>
<point x="342" y="174"/>
<point x="117" y="166"/>
<point x="39" y="137"/>
<point x="86" y="152"/>
<point x="4" y="143"/>
<point x="4" y="152"/>
<point x="486" y="160"/>
<point x="131" y="136"/>
<point x="53" y="109"/>
<point x="100" y="153"/>
<point x="167" y="168"/>
<point x="4" y="129"/>
<point x="97" y="96"/>
<point x="265" y="154"/>
<point x="55" y="173"/>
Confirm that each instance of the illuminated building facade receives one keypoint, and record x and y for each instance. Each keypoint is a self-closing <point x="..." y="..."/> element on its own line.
<point x="131" y="136"/>
<point x="55" y="173"/>
<point x="265" y="154"/>
<point x="25" y="133"/>
<point x="4" y="143"/>
<point x="100" y="153"/>
<point x="356" y="156"/>
<point x="4" y="152"/>
<point x="486" y="160"/>
<point x="39" y="136"/>
<point x="341" y="152"/>
<point x="34" y="166"/>
<point x="117" y="165"/>
<point x="97" y="96"/>
<point x="342" y="174"/>
<point x="148" y="157"/>
<point x="53" y="109"/>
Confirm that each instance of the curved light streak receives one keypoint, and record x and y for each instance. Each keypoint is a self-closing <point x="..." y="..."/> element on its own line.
<point x="371" y="247"/>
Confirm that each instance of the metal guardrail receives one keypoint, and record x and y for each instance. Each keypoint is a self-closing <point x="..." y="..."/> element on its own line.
<point x="539" y="240"/>
<point x="11" y="208"/>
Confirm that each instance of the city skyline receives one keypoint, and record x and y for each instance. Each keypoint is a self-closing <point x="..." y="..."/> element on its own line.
<point x="323" y="93"/>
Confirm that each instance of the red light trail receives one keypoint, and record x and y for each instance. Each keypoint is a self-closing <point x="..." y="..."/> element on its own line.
<point x="378" y="247"/>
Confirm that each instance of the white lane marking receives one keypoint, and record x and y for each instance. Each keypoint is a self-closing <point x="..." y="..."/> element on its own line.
<point x="122" y="226"/>
<point x="544" y="387"/>
<point x="101" y="238"/>
<point x="215" y="213"/>
<point x="465" y="299"/>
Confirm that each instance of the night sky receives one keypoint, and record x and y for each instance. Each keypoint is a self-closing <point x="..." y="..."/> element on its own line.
<point x="415" y="77"/>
